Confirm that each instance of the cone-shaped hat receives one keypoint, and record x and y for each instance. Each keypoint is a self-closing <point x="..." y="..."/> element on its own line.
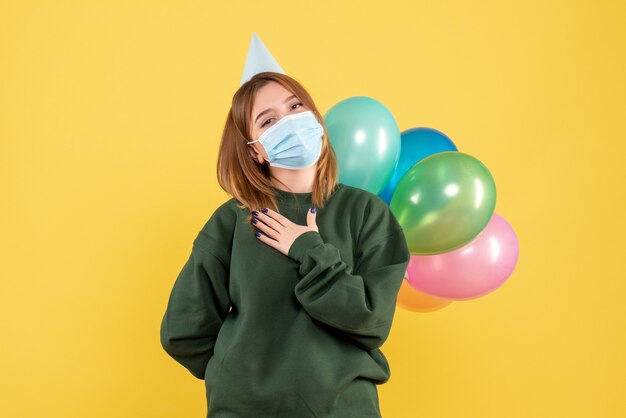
<point x="259" y="59"/>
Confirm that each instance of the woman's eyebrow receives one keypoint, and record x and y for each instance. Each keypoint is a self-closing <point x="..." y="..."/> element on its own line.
<point x="267" y="110"/>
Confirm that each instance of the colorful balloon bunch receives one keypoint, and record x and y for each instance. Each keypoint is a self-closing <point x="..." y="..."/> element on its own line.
<point x="443" y="199"/>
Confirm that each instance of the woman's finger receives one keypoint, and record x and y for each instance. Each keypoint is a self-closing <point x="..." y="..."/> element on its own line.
<point x="277" y="217"/>
<point x="271" y="222"/>
<point x="267" y="230"/>
<point x="264" y="238"/>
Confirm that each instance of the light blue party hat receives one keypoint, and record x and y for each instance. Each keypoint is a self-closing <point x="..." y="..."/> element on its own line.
<point x="259" y="59"/>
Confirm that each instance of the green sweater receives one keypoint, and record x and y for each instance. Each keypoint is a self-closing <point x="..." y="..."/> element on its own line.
<point x="292" y="336"/>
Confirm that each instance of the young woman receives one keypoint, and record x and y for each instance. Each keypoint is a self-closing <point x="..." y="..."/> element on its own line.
<point x="290" y="288"/>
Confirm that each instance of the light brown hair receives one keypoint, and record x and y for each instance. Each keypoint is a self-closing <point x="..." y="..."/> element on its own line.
<point x="247" y="180"/>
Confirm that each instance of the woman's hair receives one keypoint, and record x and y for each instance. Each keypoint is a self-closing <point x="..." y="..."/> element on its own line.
<point x="243" y="177"/>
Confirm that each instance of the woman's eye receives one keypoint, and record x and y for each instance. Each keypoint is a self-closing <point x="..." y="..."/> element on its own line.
<point x="292" y="107"/>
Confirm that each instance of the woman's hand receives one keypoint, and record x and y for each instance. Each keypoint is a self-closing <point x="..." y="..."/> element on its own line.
<point x="278" y="231"/>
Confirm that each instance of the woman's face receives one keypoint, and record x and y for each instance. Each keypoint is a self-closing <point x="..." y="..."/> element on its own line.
<point x="271" y="103"/>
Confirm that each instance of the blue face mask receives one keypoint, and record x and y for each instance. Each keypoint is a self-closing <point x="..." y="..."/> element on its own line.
<point x="294" y="142"/>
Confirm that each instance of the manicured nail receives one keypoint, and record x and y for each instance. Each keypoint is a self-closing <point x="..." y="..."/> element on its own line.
<point x="258" y="234"/>
<point x="255" y="213"/>
<point x="264" y="210"/>
<point x="254" y="221"/>
<point x="313" y="210"/>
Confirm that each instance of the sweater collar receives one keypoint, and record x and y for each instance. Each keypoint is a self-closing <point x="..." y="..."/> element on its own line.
<point x="293" y="199"/>
<point x="286" y="198"/>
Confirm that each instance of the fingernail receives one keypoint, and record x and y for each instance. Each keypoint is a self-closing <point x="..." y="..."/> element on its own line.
<point x="258" y="234"/>
<point x="254" y="221"/>
<point x="255" y="213"/>
<point x="264" y="210"/>
<point x="313" y="210"/>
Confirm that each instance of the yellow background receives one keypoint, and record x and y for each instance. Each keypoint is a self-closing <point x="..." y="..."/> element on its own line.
<point x="110" y="119"/>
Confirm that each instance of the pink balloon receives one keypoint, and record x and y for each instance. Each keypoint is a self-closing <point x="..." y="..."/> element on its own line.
<point x="477" y="268"/>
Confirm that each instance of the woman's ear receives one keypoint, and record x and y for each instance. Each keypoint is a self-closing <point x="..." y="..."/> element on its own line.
<point x="256" y="156"/>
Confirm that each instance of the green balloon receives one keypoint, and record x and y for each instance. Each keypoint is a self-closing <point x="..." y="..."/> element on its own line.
<point x="443" y="202"/>
<point x="366" y="140"/>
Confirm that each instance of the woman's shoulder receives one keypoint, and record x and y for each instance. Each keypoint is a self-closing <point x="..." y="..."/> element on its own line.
<point x="216" y="234"/>
<point x="225" y="215"/>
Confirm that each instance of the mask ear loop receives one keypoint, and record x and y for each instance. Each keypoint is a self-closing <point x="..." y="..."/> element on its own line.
<point x="258" y="140"/>
<point x="265" y="160"/>
<point x="249" y="142"/>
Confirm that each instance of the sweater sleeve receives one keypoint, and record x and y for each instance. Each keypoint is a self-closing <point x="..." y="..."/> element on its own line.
<point x="199" y="300"/>
<point x="359" y="304"/>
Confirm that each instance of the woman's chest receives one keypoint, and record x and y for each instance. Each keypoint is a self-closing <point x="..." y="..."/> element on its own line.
<point x="256" y="266"/>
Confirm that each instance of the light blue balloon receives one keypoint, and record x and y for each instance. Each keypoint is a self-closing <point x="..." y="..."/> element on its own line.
<point x="416" y="144"/>
<point x="366" y="140"/>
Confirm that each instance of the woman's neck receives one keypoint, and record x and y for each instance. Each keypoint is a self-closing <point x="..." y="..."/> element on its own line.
<point x="295" y="181"/>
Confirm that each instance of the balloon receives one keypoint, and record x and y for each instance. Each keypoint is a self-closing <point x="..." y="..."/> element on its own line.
<point x="415" y="145"/>
<point x="443" y="202"/>
<point x="412" y="299"/>
<point x="472" y="271"/>
<point x="366" y="141"/>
